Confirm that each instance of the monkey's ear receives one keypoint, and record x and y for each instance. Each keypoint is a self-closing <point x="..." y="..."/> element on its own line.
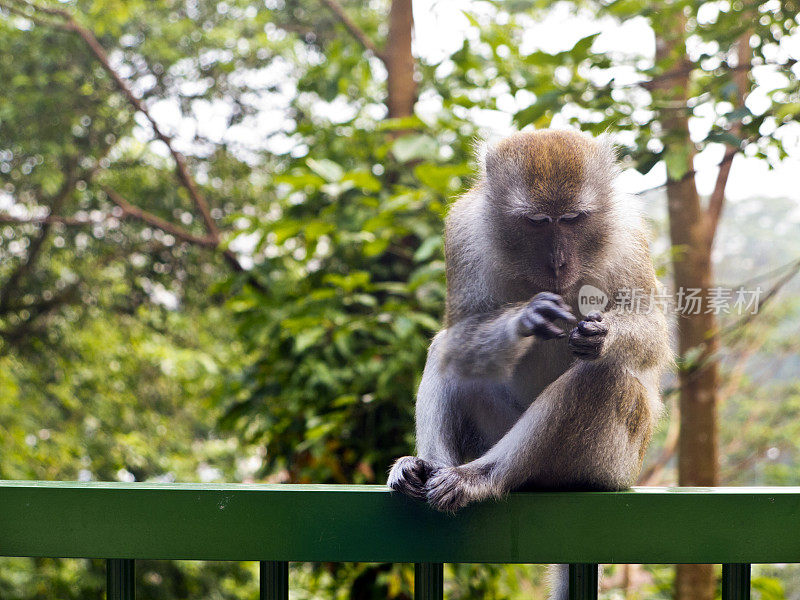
<point x="608" y="148"/>
<point x="608" y="152"/>
<point x="483" y="149"/>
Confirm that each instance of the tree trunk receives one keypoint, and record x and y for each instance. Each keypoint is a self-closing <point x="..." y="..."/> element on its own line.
<point x="399" y="62"/>
<point x="697" y="446"/>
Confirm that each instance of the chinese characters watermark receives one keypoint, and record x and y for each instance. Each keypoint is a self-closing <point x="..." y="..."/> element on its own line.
<point x="685" y="301"/>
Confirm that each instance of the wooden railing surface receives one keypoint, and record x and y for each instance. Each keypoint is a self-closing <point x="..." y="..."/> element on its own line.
<point x="276" y="524"/>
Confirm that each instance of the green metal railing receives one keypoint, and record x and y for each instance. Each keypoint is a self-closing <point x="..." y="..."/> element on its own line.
<point x="276" y="524"/>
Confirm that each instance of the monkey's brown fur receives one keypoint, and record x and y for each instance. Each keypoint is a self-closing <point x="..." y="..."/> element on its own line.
<point x="552" y="162"/>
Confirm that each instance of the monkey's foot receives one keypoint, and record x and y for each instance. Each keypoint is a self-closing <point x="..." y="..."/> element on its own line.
<point x="451" y="488"/>
<point x="409" y="475"/>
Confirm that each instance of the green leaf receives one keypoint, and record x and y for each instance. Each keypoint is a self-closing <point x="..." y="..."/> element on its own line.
<point x="769" y="588"/>
<point x="790" y="109"/>
<point x="724" y="137"/>
<point x="414" y="147"/>
<point x="676" y="159"/>
<point x="403" y="326"/>
<point x="442" y="178"/>
<point x="308" y="338"/>
<point x="426" y="273"/>
<point x="345" y="400"/>
<point x="549" y="101"/>
<point x="325" y="168"/>
<point x="427" y="248"/>
<point x="400" y="124"/>
<point x="471" y="18"/>
<point x="583" y="45"/>
<point x="376" y="247"/>
<point x="425" y="320"/>
<point x="363" y="180"/>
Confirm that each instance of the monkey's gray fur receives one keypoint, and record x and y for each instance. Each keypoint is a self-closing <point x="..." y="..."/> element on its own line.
<point x="508" y="400"/>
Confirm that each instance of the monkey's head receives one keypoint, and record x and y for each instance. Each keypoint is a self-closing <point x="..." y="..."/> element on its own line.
<point x="550" y="198"/>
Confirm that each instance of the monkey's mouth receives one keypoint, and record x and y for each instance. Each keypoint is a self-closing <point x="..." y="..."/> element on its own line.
<point x="564" y="282"/>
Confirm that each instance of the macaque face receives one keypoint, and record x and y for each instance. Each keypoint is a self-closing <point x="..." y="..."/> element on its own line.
<point x="548" y="220"/>
<point x="554" y="245"/>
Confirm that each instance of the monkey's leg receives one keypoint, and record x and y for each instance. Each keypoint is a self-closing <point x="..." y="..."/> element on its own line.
<point x="468" y="362"/>
<point x="449" y="432"/>
<point x="586" y="430"/>
<point x="409" y="474"/>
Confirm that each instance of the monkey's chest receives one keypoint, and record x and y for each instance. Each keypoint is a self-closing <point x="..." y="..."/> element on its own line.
<point x="545" y="362"/>
<point x="495" y="407"/>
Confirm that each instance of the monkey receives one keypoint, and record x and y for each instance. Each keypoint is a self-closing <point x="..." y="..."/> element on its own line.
<point x="516" y="392"/>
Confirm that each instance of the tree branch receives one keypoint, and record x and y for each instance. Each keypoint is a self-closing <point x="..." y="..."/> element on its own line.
<point x="717" y="199"/>
<point x="40" y="309"/>
<point x="37" y="243"/>
<point x="683" y="71"/>
<point x="100" y="54"/>
<point x="213" y="239"/>
<point x="354" y="29"/>
<point x="15" y="10"/>
<point x="49" y="220"/>
<point x="129" y="210"/>
<point x="792" y="271"/>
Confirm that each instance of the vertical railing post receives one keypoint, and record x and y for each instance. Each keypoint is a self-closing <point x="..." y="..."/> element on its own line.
<point x="428" y="581"/>
<point x="274" y="580"/>
<point x="120" y="579"/>
<point x="583" y="581"/>
<point x="736" y="581"/>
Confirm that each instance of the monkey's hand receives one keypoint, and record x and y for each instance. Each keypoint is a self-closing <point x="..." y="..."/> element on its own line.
<point x="538" y="315"/>
<point x="587" y="339"/>
<point x="409" y="475"/>
<point x="451" y="488"/>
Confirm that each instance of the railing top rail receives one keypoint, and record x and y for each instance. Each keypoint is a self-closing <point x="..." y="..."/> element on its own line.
<point x="380" y="489"/>
<point x="368" y="523"/>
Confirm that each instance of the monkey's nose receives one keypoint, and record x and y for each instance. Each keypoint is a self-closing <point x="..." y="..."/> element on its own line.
<point x="557" y="262"/>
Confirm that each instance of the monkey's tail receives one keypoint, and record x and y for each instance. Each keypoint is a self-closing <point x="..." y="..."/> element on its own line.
<point x="558" y="581"/>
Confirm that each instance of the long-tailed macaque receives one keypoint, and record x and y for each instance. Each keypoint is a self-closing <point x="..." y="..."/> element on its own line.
<point x="515" y="394"/>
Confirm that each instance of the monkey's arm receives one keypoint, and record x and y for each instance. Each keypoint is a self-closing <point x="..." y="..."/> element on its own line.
<point x="588" y="429"/>
<point x="637" y="340"/>
<point x="489" y="345"/>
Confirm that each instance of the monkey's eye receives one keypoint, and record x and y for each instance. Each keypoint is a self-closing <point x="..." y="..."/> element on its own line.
<point x="573" y="216"/>
<point x="540" y="219"/>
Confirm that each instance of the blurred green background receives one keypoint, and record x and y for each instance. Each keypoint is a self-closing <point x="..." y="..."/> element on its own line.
<point x="263" y="315"/>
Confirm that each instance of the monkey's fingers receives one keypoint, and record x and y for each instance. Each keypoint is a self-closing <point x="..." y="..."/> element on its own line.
<point x="554" y="311"/>
<point x="552" y="297"/>
<point x="594" y="316"/>
<point x="533" y="323"/>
